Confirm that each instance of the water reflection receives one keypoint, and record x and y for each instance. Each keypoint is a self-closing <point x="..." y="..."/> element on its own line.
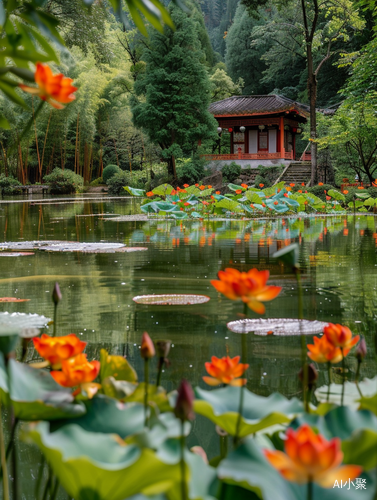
<point x="337" y="255"/>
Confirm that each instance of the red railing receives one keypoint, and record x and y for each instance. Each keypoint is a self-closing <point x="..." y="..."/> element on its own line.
<point x="288" y="155"/>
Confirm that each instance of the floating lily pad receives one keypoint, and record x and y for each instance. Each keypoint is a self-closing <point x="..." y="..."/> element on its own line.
<point x="16" y="322"/>
<point x="277" y="326"/>
<point x="171" y="300"/>
<point x="101" y="467"/>
<point x="221" y="407"/>
<point x="70" y="246"/>
<point x="12" y="299"/>
<point x="34" y="393"/>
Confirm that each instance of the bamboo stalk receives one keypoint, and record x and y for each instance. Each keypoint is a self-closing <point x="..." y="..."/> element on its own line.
<point x="36" y="139"/>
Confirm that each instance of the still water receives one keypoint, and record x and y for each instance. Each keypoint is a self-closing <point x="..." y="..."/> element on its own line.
<point x="337" y="257"/>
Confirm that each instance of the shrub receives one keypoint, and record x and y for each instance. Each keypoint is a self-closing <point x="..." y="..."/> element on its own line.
<point x="261" y="180"/>
<point x="117" y="182"/>
<point x="97" y="182"/>
<point x="231" y="171"/>
<point x="109" y="171"/>
<point x="191" y="170"/>
<point x="320" y="190"/>
<point x="270" y="174"/>
<point x="9" y="185"/>
<point x="64" y="181"/>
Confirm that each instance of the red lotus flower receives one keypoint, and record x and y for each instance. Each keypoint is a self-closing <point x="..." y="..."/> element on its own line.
<point x="238" y="191"/>
<point x="245" y="186"/>
<point x="292" y="184"/>
<point x="302" y="183"/>
<point x="276" y="203"/>
<point x="340" y="336"/>
<point x="202" y="188"/>
<point x="225" y="371"/>
<point x="55" y="89"/>
<point x="323" y="351"/>
<point x="328" y="198"/>
<point x="209" y="187"/>
<point x="299" y="191"/>
<point x="320" y="183"/>
<point x="57" y="349"/>
<point x="217" y="192"/>
<point x="249" y="287"/>
<point x="149" y="194"/>
<point x="186" y="185"/>
<point x="196" y="185"/>
<point x="310" y="457"/>
<point x="186" y="204"/>
<point x="261" y="185"/>
<point x="263" y="204"/>
<point x="345" y="191"/>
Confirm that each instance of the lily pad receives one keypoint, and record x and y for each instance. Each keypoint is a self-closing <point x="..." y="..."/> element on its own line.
<point x="12" y="326"/>
<point x="16" y="254"/>
<point x="221" y="407"/>
<point x="13" y="299"/>
<point x="70" y="246"/>
<point x="352" y="397"/>
<point x="277" y="326"/>
<point x="98" y="466"/>
<point x="34" y="393"/>
<point x="171" y="300"/>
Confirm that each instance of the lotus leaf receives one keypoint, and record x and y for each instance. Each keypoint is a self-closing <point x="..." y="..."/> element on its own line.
<point x="351" y="394"/>
<point x="179" y="215"/>
<point x="235" y="187"/>
<point x="221" y="407"/>
<point x="369" y="403"/>
<point x="163" y="189"/>
<point x="134" y="191"/>
<point x="231" y="205"/>
<point x="35" y="395"/>
<point x="95" y="465"/>
<point x="370" y="202"/>
<point x="288" y="255"/>
<point x="205" y="192"/>
<point x="158" y="206"/>
<point x="12" y="326"/>
<point x="117" y="367"/>
<point x="363" y="196"/>
<point x="336" y="195"/>
<point x="157" y="397"/>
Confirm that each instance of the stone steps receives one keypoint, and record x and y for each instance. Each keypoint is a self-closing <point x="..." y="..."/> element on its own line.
<point x="298" y="172"/>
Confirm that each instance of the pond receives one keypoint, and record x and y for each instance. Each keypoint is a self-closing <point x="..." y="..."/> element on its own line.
<point x="337" y="257"/>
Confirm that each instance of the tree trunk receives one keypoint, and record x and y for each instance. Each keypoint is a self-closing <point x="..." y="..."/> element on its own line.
<point x="312" y="92"/>
<point x="171" y="167"/>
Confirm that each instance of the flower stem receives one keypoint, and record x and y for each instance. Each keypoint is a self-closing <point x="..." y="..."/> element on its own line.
<point x="344" y="377"/>
<point x="182" y="463"/>
<point x="160" y="366"/>
<point x="3" y="460"/>
<point x="310" y="490"/>
<point x="223" y="446"/>
<point x="55" y="318"/>
<point x="146" y="383"/>
<point x="357" y="377"/>
<point x="328" y="387"/>
<point x="242" y="388"/>
<point x="14" y="462"/>
<point x="304" y="366"/>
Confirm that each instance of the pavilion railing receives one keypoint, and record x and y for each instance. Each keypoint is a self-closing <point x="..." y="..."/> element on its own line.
<point x="287" y="155"/>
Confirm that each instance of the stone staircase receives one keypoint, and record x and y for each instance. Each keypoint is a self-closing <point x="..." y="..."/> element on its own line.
<point x="296" y="172"/>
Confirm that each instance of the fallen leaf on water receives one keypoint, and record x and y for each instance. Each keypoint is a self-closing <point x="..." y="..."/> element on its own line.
<point x="12" y="299"/>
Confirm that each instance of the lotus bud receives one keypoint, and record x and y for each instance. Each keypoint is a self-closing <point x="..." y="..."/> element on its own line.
<point x="147" y="348"/>
<point x="184" y="404"/>
<point x="361" y="350"/>
<point x="56" y="294"/>
<point x="198" y="450"/>
<point x="163" y="348"/>
<point x="312" y="375"/>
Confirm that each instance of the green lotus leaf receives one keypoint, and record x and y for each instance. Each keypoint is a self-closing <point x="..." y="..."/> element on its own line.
<point x="352" y="397"/>
<point x="219" y="197"/>
<point x="358" y="204"/>
<point x="158" y="206"/>
<point x="97" y="466"/>
<point x="163" y="189"/>
<point x="235" y="187"/>
<point x="118" y="389"/>
<point x="288" y="255"/>
<point x="134" y="191"/>
<point x="247" y="467"/>
<point x="231" y="205"/>
<point x="157" y="397"/>
<point x="178" y="215"/>
<point x="108" y="416"/>
<point x="196" y="215"/>
<point x="369" y="403"/>
<point x="12" y="325"/>
<point x="370" y="202"/>
<point x="205" y="192"/>
<point x="35" y="395"/>
<point x="363" y="196"/>
<point x="260" y="207"/>
<point x="117" y="367"/>
<point x="336" y="195"/>
<point x="255" y="197"/>
<point x="221" y="407"/>
<point x="361" y="449"/>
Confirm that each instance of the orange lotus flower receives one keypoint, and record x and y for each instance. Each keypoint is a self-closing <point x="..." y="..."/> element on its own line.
<point x="57" y="349"/>
<point x="147" y="349"/>
<point x="261" y="185"/>
<point x="78" y="372"/>
<point x="202" y="188"/>
<point x="323" y="351"/>
<point x="186" y="185"/>
<point x="149" y="194"/>
<point x="245" y="186"/>
<point x="276" y="203"/>
<point x="225" y="371"/>
<point x="292" y="184"/>
<point x="238" y="191"/>
<point x="328" y="198"/>
<point x="55" y="89"/>
<point x="360" y="187"/>
<point x="186" y="204"/>
<point x="209" y="186"/>
<point x="340" y="336"/>
<point x="310" y="457"/>
<point x="217" y="192"/>
<point x="299" y="191"/>
<point x="345" y="191"/>
<point x="249" y="287"/>
<point x="320" y="183"/>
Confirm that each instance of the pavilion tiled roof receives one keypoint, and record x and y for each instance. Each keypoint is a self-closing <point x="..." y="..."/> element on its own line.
<point x="256" y="104"/>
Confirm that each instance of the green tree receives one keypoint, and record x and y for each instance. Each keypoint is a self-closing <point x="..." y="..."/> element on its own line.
<point x="174" y="92"/>
<point x="223" y="86"/>
<point x="242" y="58"/>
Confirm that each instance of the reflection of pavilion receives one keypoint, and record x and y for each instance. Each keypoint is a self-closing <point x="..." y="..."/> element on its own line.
<point x="261" y="127"/>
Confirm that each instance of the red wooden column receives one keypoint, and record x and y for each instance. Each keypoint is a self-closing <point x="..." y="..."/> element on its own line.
<point x="281" y="131"/>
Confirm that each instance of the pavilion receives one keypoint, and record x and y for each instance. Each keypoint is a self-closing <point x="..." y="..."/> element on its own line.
<point x="262" y="129"/>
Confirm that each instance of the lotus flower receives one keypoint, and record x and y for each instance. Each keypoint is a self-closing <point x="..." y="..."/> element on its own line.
<point x="249" y="287"/>
<point x="340" y="336"/>
<point x="225" y="371"/>
<point x="78" y="372"/>
<point x="55" y="89"/>
<point x="322" y="351"/>
<point x="310" y="457"/>
<point x="57" y="349"/>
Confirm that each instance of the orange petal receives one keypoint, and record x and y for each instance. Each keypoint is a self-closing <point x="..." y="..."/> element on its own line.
<point x="256" y="306"/>
<point x="238" y="382"/>
<point x="269" y="294"/>
<point x="61" y="379"/>
<point x="343" y="473"/>
<point x="211" y="381"/>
